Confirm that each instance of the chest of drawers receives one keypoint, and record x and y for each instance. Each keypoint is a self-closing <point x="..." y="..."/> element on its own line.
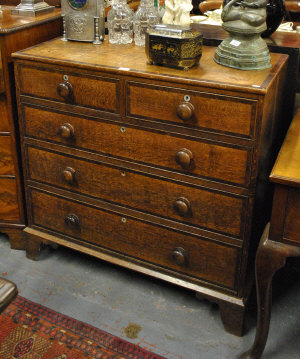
<point x="16" y="32"/>
<point x="155" y="169"/>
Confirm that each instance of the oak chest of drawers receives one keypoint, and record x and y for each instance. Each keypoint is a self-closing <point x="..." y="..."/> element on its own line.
<point x="155" y="169"/>
<point x="16" y="33"/>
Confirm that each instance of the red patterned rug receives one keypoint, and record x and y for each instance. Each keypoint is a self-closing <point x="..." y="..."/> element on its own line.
<point x="31" y="331"/>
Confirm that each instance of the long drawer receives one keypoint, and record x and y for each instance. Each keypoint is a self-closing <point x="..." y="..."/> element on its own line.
<point x="6" y="158"/>
<point x="84" y="90"/>
<point x="184" y="254"/>
<point x="196" y="158"/>
<point x="9" y="209"/>
<point x="4" y="126"/>
<point x="201" y="207"/>
<point x="199" y="110"/>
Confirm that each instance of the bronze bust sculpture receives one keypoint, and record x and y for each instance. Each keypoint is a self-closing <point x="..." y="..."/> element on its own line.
<point x="244" y="49"/>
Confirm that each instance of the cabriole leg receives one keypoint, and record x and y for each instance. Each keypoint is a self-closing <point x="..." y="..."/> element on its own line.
<point x="270" y="257"/>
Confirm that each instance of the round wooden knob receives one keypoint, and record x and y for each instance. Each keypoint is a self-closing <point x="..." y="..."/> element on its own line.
<point x="182" y="206"/>
<point x="184" y="157"/>
<point x="180" y="256"/>
<point x="69" y="174"/>
<point x="65" y="90"/>
<point x="72" y="220"/>
<point x="66" y="131"/>
<point x="185" y="111"/>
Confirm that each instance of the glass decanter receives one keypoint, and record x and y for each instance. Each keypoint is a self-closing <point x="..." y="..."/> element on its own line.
<point x="119" y="20"/>
<point x="145" y="17"/>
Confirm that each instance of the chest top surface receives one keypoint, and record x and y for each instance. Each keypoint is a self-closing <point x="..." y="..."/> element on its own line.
<point x="287" y="167"/>
<point x="10" y="23"/>
<point x="131" y="59"/>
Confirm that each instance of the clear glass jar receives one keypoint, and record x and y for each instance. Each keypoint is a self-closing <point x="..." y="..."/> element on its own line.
<point x="145" y="17"/>
<point x="119" y="22"/>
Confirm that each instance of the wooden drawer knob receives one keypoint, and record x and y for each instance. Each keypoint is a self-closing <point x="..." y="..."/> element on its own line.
<point x="184" y="157"/>
<point x="180" y="256"/>
<point x="66" y="131"/>
<point x="72" y="220"/>
<point x="65" y="90"/>
<point x="69" y="174"/>
<point x="182" y="206"/>
<point x="185" y="111"/>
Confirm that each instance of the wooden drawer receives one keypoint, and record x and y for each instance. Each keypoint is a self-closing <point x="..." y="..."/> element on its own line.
<point x="292" y="216"/>
<point x="216" y="161"/>
<point x="9" y="210"/>
<point x="4" y="126"/>
<point x="196" y="206"/>
<point x="201" y="110"/>
<point x="201" y="258"/>
<point x="6" y="159"/>
<point x="83" y="90"/>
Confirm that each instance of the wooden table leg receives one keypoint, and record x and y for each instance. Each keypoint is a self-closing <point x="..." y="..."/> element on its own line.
<point x="270" y="257"/>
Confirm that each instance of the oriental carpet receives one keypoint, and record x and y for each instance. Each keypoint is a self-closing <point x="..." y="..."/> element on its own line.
<point x="32" y="331"/>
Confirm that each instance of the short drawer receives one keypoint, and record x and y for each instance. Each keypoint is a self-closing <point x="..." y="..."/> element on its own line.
<point x="184" y="254"/>
<point x="9" y="209"/>
<point x="196" y="158"/>
<point x="4" y="126"/>
<point x="292" y="218"/>
<point x="201" y="110"/>
<point x="83" y="90"/>
<point x="6" y="158"/>
<point x="196" y="206"/>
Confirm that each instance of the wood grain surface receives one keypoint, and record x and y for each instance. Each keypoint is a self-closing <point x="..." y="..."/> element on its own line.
<point x="287" y="167"/>
<point x="6" y="159"/>
<point x="132" y="59"/>
<point x="210" y="160"/>
<point x="206" y="260"/>
<point x="9" y="209"/>
<point x="221" y="212"/>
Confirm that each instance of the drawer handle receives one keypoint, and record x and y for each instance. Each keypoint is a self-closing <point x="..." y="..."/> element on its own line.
<point x="66" y="131"/>
<point x="180" y="256"/>
<point x="65" y="90"/>
<point x="69" y="174"/>
<point x="185" y="111"/>
<point x="184" y="157"/>
<point x="72" y="220"/>
<point x="182" y="206"/>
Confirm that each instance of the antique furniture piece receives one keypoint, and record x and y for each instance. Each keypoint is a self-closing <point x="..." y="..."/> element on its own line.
<point x="8" y="290"/>
<point x="32" y="8"/>
<point x="156" y="169"/>
<point x="83" y="20"/>
<point x="281" y="238"/>
<point x="16" y="32"/>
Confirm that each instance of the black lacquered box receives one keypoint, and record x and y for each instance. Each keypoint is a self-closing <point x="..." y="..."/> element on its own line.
<point x="173" y="46"/>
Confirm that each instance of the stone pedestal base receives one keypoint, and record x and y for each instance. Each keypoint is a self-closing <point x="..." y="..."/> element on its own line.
<point x="32" y="8"/>
<point x="244" y="52"/>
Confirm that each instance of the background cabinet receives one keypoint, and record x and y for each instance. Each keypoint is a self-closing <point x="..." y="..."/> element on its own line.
<point x="16" y="32"/>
